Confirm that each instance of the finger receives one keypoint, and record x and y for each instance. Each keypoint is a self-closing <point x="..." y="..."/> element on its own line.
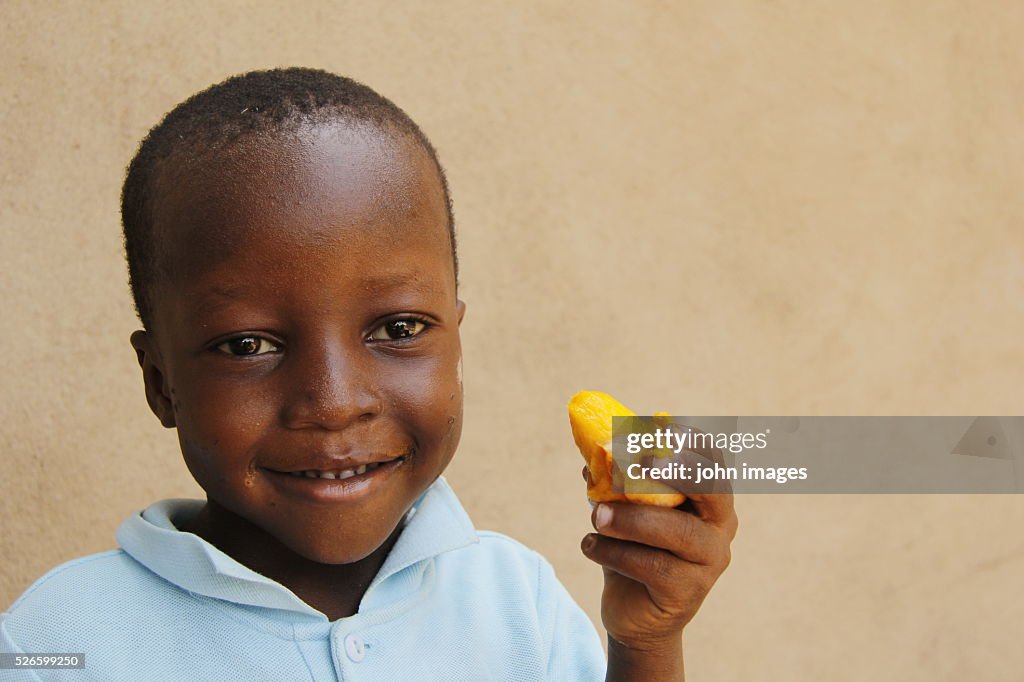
<point x="716" y="508"/>
<point x="699" y="442"/>
<point x="709" y="498"/>
<point x="697" y="467"/>
<point x="683" y="534"/>
<point x="659" y="570"/>
<point x="714" y="502"/>
<point x="687" y="472"/>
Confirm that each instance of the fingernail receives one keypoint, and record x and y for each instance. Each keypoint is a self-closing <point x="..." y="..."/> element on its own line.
<point x="603" y="516"/>
<point x="588" y="543"/>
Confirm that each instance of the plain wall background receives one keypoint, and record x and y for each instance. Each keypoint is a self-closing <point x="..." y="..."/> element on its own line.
<point x="700" y="207"/>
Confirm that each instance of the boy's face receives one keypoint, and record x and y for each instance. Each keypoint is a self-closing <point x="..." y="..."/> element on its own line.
<point x="307" y="321"/>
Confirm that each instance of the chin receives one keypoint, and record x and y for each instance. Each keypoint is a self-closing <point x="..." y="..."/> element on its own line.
<point x="348" y="551"/>
<point x="336" y="558"/>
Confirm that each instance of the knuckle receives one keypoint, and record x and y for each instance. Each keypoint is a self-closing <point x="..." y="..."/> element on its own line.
<point x="658" y="566"/>
<point x="688" y="531"/>
<point x="729" y="526"/>
<point x="706" y="581"/>
<point x="726" y="559"/>
<point x="665" y="571"/>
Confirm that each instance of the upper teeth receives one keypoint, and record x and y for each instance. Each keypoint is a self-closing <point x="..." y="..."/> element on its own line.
<point x="344" y="473"/>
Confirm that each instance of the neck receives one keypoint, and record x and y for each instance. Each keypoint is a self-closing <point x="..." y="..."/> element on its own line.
<point x="335" y="590"/>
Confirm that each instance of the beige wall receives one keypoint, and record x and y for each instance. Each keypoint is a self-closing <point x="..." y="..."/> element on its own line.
<point x="703" y="207"/>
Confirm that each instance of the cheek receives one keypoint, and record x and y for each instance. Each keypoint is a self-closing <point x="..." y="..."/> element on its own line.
<point x="451" y="399"/>
<point x="430" y="395"/>
<point x="221" y="420"/>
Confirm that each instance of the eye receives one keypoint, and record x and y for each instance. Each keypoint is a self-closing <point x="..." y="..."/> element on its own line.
<point x="394" y="330"/>
<point x="247" y="345"/>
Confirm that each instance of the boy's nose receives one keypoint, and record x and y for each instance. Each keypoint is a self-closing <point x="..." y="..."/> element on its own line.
<point x="330" y="390"/>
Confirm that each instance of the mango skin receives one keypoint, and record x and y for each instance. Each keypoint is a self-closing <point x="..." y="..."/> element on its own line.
<point x="590" y="417"/>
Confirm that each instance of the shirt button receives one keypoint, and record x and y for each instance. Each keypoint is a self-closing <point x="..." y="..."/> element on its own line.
<point x="355" y="647"/>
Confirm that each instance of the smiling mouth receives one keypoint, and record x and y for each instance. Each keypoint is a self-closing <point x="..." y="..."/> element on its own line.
<point x="337" y="475"/>
<point x="342" y="474"/>
<point x="338" y="481"/>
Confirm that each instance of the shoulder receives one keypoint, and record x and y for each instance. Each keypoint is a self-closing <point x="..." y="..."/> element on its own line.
<point x="498" y="557"/>
<point x="95" y="593"/>
<point x="500" y="569"/>
<point x="518" y="587"/>
<point x="500" y="545"/>
<point x="80" y="579"/>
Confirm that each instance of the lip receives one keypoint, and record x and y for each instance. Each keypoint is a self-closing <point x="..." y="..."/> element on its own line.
<point x="333" y="491"/>
<point x="322" y="464"/>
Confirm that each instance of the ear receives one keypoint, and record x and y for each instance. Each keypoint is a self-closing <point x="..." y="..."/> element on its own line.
<point x="158" y="394"/>
<point x="460" y="310"/>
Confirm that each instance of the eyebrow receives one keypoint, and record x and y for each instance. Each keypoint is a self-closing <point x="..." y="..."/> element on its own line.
<point x="217" y="297"/>
<point x="395" y="279"/>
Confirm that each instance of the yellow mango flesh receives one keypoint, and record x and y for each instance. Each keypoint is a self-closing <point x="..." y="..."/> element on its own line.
<point x="590" y="416"/>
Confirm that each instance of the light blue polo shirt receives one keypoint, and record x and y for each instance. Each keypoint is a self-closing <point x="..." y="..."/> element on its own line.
<point x="449" y="603"/>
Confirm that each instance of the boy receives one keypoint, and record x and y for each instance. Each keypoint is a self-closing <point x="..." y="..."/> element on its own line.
<point x="292" y="257"/>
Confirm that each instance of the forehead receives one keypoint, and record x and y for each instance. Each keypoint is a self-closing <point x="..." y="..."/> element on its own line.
<point x="313" y="185"/>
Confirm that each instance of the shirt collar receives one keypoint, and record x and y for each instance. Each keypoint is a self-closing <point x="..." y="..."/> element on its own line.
<point x="435" y="524"/>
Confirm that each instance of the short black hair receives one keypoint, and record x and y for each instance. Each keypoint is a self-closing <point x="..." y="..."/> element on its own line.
<point x="254" y="103"/>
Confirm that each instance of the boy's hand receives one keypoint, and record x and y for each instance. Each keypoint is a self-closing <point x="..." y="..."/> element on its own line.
<point x="659" y="565"/>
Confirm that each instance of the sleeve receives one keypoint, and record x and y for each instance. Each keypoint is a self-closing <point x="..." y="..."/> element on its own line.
<point x="573" y="647"/>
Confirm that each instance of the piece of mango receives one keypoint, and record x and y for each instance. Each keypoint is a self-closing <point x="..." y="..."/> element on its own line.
<point x="590" y="416"/>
